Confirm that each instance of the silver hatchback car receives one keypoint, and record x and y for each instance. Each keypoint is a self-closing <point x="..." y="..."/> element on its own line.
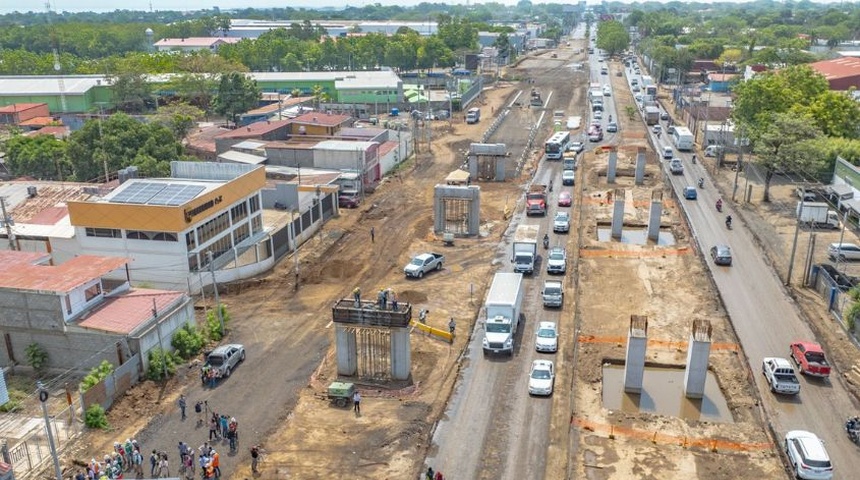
<point x="847" y="251"/>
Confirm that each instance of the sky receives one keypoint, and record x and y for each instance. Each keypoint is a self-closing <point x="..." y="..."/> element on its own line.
<point x="7" y="6"/>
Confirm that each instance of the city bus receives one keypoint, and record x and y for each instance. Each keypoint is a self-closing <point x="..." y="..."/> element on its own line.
<point x="557" y="145"/>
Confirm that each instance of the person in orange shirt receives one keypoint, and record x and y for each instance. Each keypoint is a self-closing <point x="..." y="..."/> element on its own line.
<point x="216" y="462"/>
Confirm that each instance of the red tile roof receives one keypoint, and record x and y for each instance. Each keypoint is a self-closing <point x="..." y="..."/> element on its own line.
<point x="255" y="129"/>
<point x="844" y="67"/>
<point x="50" y="216"/>
<point x="36" y="121"/>
<point x="20" y="107"/>
<point x="203" y="139"/>
<point x="317" y="118"/>
<point x="21" y="272"/>
<point x="125" y="312"/>
<point x="58" y="132"/>
<point x="386" y="147"/>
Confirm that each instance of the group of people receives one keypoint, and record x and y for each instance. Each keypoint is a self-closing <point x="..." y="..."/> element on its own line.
<point x="386" y="296"/>
<point x="224" y="427"/>
<point x="126" y="458"/>
<point x="430" y="475"/>
<point x="209" y="376"/>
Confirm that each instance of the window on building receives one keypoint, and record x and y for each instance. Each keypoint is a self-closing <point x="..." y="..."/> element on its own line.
<point x="93" y="292"/>
<point x="213" y="228"/>
<point x="147" y="235"/>
<point x="190" y="240"/>
<point x="103" y="232"/>
<point x="240" y="233"/>
<point x="254" y="203"/>
<point x="257" y="224"/>
<point x="239" y="212"/>
<point x="68" y="301"/>
<point x="193" y="262"/>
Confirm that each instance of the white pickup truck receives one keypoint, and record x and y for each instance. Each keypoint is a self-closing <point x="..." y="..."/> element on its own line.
<point x="780" y="376"/>
<point x="421" y="264"/>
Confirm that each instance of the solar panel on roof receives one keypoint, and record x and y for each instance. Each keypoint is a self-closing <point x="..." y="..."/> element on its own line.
<point x="177" y="194"/>
<point x="148" y="192"/>
<point x="128" y="192"/>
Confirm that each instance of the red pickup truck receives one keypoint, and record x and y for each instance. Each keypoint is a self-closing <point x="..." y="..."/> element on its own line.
<point x="810" y="359"/>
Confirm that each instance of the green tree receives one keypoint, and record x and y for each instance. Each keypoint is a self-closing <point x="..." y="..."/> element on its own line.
<point x="612" y="37"/>
<point x="237" y="93"/>
<point x="38" y="156"/>
<point x="131" y="91"/>
<point x="179" y="118"/>
<point x="779" y="148"/>
<point x="121" y="141"/>
<point x="456" y="32"/>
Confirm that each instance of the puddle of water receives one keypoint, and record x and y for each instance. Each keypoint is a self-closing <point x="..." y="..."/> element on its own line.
<point x="663" y="393"/>
<point x="636" y="237"/>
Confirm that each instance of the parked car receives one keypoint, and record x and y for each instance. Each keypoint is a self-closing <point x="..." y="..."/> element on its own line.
<point x="664" y="116"/>
<point x="565" y="199"/>
<point x="568" y="177"/>
<point x="636" y="88"/>
<point x="612" y="127"/>
<point x="657" y="129"/>
<point x="547" y="337"/>
<point x="225" y="358"/>
<point x="807" y="455"/>
<point x="561" y="222"/>
<point x="721" y="255"/>
<point x="847" y="251"/>
<point x="556" y="261"/>
<point x="691" y="193"/>
<point x="810" y="359"/>
<point x="576" y="147"/>
<point x="348" y="199"/>
<point x="541" y="378"/>
<point x="598" y="114"/>
<point x="676" y="167"/>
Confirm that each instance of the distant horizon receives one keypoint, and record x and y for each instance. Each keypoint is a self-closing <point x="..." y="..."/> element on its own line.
<point x="99" y="6"/>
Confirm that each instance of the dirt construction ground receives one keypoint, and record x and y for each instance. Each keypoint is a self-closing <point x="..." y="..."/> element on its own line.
<point x="304" y="436"/>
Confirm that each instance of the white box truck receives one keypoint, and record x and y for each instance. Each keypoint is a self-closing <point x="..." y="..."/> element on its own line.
<point x="503" y="313"/>
<point x="473" y="115"/>
<point x="525" y="248"/>
<point x="683" y="138"/>
<point x="817" y="214"/>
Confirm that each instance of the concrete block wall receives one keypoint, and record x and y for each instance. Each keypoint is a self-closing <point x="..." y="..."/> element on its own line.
<point x="31" y="310"/>
<point x="65" y="350"/>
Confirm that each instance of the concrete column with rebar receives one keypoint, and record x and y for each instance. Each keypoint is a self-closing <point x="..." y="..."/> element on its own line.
<point x="612" y="166"/>
<point x="618" y="212"/>
<point x="698" y="351"/>
<point x="634" y="365"/>
<point x="655" y="214"/>
<point x="640" y="166"/>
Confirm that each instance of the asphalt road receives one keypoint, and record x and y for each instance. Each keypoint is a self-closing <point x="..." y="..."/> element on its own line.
<point x="492" y="429"/>
<point x="767" y="321"/>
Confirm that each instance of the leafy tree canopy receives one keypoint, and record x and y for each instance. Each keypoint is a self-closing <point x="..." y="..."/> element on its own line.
<point x="38" y="156"/>
<point x="121" y="141"/>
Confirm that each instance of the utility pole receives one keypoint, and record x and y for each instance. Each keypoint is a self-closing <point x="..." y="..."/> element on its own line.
<point x="794" y="245"/>
<point x="160" y="344"/>
<point x="7" y="222"/>
<point x="43" y="399"/>
<point x="740" y="163"/>
<point x="295" y="246"/>
<point x="210" y="257"/>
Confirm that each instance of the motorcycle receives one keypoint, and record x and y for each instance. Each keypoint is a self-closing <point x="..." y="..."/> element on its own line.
<point x="729" y="222"/>
<point x="852" y="428"/>
<point x="546" y="242"/>
<point x="701" y="183"/>
<point x="720" y="206"/>
<point x="694" y="159"/>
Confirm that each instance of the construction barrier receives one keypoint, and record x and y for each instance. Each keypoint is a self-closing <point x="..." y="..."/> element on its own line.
<point x="663" y="252"/>
<point x="443" y="334"/>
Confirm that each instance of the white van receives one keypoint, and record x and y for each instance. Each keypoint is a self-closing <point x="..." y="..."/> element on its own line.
<point x="667" y="152"/>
